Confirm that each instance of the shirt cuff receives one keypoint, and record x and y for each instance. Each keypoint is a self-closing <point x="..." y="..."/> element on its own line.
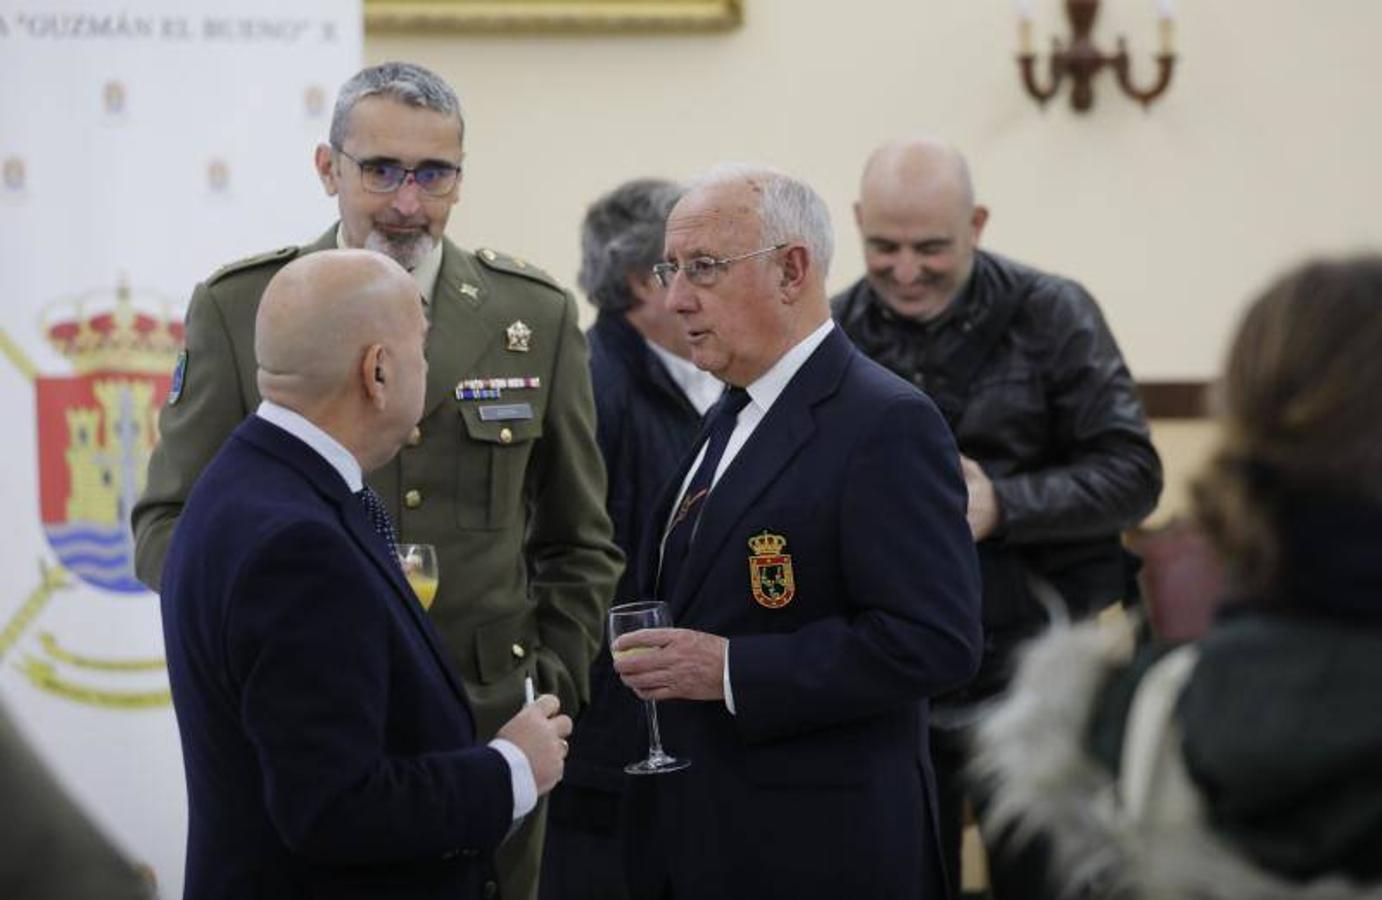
<point x="729" y="691"/>
<point x="521" y="774"/>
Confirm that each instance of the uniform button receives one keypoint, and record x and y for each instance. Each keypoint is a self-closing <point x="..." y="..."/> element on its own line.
<point x="518" y="651"/>
<point x="470" y="853"/>
<point x="415" y="437"/>
<point x="491" y="889"/>
<point x="505" y="436"/>
<point x="412" y="499"/>
<point x="488" y="254"/>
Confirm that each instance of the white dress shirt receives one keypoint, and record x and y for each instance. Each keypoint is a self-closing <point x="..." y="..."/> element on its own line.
<point x="763" y="393"/>
<point x="348" y="467"/>
<point x="327" y="447"/>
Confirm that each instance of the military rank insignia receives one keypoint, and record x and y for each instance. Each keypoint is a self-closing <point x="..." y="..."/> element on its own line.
<point x="519" y="336"/>
<point x="770" y="571"/>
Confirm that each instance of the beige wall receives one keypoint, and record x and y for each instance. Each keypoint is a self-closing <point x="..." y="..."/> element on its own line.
<point x="1266" y="147"/>
<point x="1184" y="446"/>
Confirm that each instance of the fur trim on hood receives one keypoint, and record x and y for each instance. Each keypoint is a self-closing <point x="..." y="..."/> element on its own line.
<point x="1112" y="838"/>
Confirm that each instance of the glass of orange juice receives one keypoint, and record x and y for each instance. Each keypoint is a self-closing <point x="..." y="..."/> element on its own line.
<point x="419" y="562"/>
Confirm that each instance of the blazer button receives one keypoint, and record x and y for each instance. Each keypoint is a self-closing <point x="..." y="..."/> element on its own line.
<point x="415" y="437"/>
<point x="505" y="436"/>
<point x="518" y="651"/>
<point x="491" y="889"/>
<point x="412" y="499"/>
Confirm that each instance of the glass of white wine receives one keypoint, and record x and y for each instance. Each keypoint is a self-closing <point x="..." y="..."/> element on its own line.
<point x="419" y="562"/>
<point x="624" y="618"/>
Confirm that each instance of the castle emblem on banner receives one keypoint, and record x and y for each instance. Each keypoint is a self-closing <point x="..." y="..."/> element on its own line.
<point x="96" y="428"/>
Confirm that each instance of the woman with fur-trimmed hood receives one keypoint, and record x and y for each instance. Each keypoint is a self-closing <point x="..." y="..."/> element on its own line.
<point x="1249" y="763"/>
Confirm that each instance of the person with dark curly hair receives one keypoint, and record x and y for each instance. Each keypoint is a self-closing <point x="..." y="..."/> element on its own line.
<point x="1249" y="763"/>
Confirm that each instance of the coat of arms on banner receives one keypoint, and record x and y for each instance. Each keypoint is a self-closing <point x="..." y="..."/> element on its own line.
<point x="770" y="571"/>
<point x="96" y="429"/>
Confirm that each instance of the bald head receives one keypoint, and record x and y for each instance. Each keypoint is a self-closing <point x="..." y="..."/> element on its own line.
<point x="920" y="225"/>
<point x="317" y="316"/>
<point x="917" y="165"/>
<point x="338" y="339"/>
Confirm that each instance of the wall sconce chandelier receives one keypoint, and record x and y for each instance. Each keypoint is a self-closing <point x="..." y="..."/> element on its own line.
<point x="1081" y="60"/>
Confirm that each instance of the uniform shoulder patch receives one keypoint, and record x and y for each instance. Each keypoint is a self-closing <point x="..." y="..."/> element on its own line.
<point x="513" y="265"/>
<point x="253" y="262"/>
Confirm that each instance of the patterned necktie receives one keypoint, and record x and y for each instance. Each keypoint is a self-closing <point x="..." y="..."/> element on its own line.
<point x="688" y="514"/>
<point x="379" y="520"/>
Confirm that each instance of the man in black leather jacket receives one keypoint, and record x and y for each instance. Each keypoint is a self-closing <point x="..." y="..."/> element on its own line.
<point x="1053" y="438"/>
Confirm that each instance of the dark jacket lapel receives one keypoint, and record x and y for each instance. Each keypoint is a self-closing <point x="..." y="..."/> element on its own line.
<point x="327" y="482"/>
<point x="624" y="341"/>
<point x="779" y="436"/>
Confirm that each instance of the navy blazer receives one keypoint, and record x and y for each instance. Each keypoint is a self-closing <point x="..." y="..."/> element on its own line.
<point x="329" y="750"/>
<point x="847" y="502"/>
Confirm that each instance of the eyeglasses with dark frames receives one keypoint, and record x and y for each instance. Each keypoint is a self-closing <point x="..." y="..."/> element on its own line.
<point x="384" y="177"/>
<point x="704" y="271"/>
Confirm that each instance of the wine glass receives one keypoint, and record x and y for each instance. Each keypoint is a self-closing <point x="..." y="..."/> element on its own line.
<point x="419" y="562"/>
<point x="624" y="618"/>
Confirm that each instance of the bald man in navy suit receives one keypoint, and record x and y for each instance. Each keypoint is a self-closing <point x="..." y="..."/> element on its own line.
<point x="329" y="748"/>
<point x="815" y="555"/>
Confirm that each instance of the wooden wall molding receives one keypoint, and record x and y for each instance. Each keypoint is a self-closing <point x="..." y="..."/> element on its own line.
<point x="1175" y="399"/>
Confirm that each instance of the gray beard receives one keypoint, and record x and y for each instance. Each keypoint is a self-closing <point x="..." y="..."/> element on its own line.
<point x="407" y="252"/>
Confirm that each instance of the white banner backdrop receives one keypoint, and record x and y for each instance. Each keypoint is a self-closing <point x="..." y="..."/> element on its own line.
<point x="142" y="144"/>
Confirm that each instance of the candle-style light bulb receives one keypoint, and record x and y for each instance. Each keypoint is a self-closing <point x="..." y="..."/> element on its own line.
<point x="1167" y="29"/>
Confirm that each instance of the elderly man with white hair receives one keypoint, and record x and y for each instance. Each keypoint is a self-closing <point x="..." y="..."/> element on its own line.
<point x="814" y="552"/>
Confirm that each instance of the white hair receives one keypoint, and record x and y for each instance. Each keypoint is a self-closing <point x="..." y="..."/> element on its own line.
<point x="788" y="209"/>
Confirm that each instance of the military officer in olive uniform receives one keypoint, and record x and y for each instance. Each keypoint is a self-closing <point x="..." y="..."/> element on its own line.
<point x="502" y="474"/>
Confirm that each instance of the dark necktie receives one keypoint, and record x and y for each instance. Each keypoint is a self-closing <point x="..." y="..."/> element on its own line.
<point x="379" y="520"/>
<point x="688" y="514"/>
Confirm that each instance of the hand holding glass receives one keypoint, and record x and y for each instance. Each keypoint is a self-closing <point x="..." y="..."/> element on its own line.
<point x="623" y="619"/>
<point x="419" y="562"/>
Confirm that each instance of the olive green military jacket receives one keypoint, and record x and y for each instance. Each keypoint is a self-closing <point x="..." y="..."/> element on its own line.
<point x="512" y="497"/>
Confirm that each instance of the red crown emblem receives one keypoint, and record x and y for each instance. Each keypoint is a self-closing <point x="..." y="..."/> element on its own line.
<point x="101" y="332"/>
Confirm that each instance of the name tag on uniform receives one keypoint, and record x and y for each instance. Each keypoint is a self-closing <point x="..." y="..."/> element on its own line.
<point x="506" y="412"/>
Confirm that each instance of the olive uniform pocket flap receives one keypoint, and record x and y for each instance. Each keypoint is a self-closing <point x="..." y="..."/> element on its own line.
<point x="503" y="645"/>
<point x="502" y="431"/>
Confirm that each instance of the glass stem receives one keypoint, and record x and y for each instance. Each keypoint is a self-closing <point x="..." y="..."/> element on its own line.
<point x="654" y="733"/>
